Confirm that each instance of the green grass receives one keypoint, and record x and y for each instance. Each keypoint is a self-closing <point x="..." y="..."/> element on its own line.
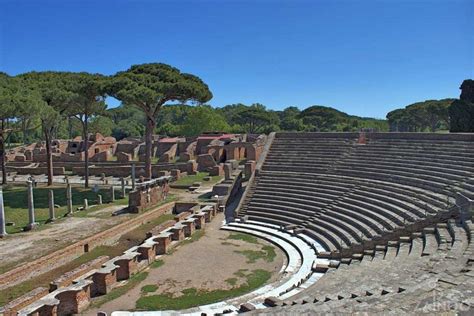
<point x="198" y="234"/>
<point x="267" y="253"/>
<point x="244" y="237"/>
<point x="231" y="281"/>
<point x="194" y="297"/>
<point x="198" y="177"/>
<point x="157" y="264"/>
<point x="119" y="291"/>
<point x="226" y="243"/>
<point x="150" y="288"/>
<point x="16" y="207"/>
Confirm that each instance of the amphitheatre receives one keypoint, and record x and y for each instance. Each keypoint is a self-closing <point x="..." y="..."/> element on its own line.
<point x="279" y="223"/>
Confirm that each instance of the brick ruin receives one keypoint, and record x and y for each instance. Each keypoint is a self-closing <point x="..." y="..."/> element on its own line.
<point x="109" y="157"/>
<point x="148" y="194"/>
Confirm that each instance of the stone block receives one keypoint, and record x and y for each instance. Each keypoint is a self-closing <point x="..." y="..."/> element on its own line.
<point x="249" y="169"/>
<point x="216" y="171"/>
<point x="176" y="173"/>
<point x="206" y="162"/>
<point x="123" y="157"/>
<point x="191" y="167"/>
<point x="178" y="232"/>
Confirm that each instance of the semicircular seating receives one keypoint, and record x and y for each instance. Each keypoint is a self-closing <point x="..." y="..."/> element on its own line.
<point x="362" y="200"/>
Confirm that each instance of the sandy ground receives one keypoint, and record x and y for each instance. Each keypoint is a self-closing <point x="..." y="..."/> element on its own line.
<point x="203" y="264"/>
<point x="21" y="247"/>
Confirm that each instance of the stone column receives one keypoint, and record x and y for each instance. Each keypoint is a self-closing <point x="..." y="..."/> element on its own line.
<point x="31" y="207"/>
<point x="69" y="199"/>
<point x="3" y="230"/>
<point x="86" y="204"/>
<point x="122" y="186"/>
<point x="133" y="177"/>
<point x="52" y="216"/>
<point x="112" y="193"/>
<point x="99" y="198"/>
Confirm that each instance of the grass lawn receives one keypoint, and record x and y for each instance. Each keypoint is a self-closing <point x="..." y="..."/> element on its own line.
<point x="244" y="237"/>
<point x="198" y="177"/>
<point x="267" y="253"/>
<point x="16" y="207"/>
<point x="192" y="297"/>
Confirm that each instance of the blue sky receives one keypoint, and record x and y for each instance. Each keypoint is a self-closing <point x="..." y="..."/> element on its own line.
<point x="362" y="57"/>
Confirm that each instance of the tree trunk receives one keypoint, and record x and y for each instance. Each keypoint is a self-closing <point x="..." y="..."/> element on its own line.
<point x="86" y="151"/>
<point x="49" y="154"/>
<point x="150" y="127"/>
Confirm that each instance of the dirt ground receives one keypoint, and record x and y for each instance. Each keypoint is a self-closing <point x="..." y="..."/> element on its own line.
<point x="22" y="247"/>
<point x="203" y="264"/>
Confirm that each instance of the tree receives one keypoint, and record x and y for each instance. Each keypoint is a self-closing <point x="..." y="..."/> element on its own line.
<point x="290" y="120"/>
<point x="462" y="117"/>
<point x="461" y="112"/>
<point x="15" y="102"/>
<point x="256" y="119"/>
<point x="87" y="101"/>
<point x="148" y="87"/>
<point x="322" y="118"/>
<point x="201" y="119"/>
<point x="101" y="124"/>
<point x="417" y="117"/>
<point x="52" y="88"/>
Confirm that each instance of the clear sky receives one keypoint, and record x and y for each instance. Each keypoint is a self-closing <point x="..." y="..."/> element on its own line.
<point x="362" y="57"/>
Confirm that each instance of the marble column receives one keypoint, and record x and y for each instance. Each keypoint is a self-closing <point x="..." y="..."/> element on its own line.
<point x="52" y="216"/>
<point x="31" y="207"/>
<point x="69" y="199"/>
<point x="133" y="177"/>
<point x="122" y="186"/>
<point x="3" y="230"/>
<point x="112" y="193"/>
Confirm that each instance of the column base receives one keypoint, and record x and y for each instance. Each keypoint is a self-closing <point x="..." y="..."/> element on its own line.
<point x="31" y="226"/>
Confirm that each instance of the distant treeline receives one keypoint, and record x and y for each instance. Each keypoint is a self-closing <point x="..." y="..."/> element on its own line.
<point x="186" y="120"/>
<point x="454" y="115"/>
<point x="427" y="116"/>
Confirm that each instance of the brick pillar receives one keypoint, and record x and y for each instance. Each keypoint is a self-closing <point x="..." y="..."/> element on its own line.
<point x="163" y="244"/>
